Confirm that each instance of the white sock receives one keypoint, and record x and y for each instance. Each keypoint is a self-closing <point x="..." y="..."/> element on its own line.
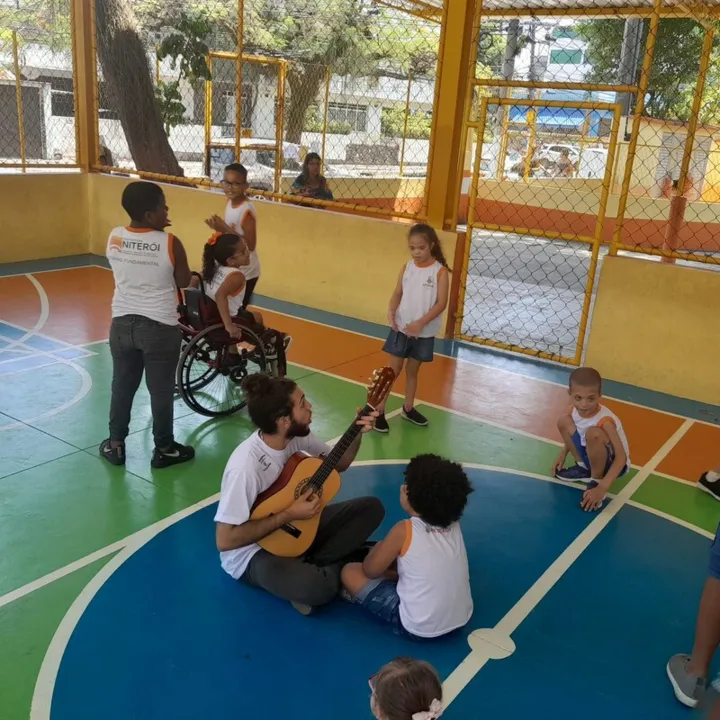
<point x="712" y="476"/>
<point x="582" y="465"/>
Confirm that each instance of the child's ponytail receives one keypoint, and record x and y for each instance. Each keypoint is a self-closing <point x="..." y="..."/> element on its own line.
<point x="432" y="237"/>
<point x="218" y="249"/>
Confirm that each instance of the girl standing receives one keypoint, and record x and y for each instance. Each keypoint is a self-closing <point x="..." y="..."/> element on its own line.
<point x="415" y="315"/>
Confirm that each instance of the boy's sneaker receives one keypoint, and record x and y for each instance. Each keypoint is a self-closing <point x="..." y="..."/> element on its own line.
<point x="381" y="424"/>
<point x="688" y="688"/>
<point x="174" y="455"/>
<point x="576" y="473"/>
<point x="414" y="417"/>
<point x="114" y="455"/>
<point x="711" y="487"/>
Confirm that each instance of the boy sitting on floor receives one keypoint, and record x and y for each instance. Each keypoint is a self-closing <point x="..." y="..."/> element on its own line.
<point x="594" y="436"/>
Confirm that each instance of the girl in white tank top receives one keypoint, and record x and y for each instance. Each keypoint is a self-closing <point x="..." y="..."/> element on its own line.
<point x="415" y="315"/>
<point x="417" y="579"/>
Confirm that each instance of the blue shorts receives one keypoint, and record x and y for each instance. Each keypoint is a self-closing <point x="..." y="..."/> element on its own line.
<point x="400" y="345"/>
<point x="714" y="565"/>
<point x="582" y="451"/>
<point x="379" y="597"/>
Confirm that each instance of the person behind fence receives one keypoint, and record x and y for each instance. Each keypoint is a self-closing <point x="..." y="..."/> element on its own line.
<point x="415" y="315"/>
<point x="594" y="436"/>
<point x="224" y="259"/>
<point x="241" y="219"/>
<point x="310" y="183"/>
<point x="405" y="579"/>
<point x="406" y="689"/>
<point x="147" y="263"/>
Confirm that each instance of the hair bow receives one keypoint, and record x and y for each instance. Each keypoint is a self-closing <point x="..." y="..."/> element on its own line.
<point x="434" y="712"/>
<point x="213" y="238"/>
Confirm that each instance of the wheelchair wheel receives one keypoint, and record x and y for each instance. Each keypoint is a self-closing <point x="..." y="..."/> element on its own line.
<point x="203" y="353"/>
<point x="209" y="377"/>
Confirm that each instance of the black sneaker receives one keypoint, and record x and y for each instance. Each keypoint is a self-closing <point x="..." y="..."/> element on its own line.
<point x="114" y="455"/>
<point x="381" y="424"/>
<point x="711" y="487"/>
<point x="414" y="417"/>
<point x="172" y="456"/>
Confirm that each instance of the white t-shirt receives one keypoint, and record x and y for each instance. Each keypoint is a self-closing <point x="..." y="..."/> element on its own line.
<point x="222" y="272"/>
<point x="234" y="216"/>
<point x="433" y="579"/>
<point x="419" y="295"/>
<point x="143" y="266"/>
<point x="253" y="468"/>
<point x="603" y="416"/>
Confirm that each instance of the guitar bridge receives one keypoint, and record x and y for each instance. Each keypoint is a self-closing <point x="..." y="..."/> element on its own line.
<point x="291" y="530"/>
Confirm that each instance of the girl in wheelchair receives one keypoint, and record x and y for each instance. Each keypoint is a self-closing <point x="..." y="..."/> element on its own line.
<point x="224" y="282"/>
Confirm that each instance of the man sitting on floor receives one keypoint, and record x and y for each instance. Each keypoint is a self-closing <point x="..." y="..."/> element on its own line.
<point x="282" y="414"/>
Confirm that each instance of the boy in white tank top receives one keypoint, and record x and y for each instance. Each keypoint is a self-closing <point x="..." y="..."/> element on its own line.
<point x="405" y="578"/>
<point x="147" y="264"/>
<point x="594" y="436"/>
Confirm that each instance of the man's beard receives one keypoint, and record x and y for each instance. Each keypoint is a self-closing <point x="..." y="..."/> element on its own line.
<point x="297" y="430"/>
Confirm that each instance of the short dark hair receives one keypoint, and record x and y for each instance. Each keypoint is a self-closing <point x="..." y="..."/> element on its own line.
<point x="268" y="400"/>
<point x="406" y="686"/>
<point x="437" y="489"/>
<point x="238" y="168"/>
<point x="139" y="198"/>
<point x="586" y="377"/>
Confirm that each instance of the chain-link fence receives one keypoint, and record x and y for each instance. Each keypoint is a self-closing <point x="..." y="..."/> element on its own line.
<point x="589" y="144"/>
<point x="349" y="81"/>
<point x="37" y="90"/>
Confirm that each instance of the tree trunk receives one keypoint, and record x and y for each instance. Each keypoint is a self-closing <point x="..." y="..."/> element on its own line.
<point x="130" y="89"/>
<point x="305" y="82"/>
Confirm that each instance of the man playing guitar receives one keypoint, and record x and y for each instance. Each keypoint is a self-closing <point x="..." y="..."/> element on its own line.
<point x="282" y="414"/>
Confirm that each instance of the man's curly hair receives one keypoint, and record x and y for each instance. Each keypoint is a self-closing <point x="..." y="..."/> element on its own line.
<point x="437" y="489"/>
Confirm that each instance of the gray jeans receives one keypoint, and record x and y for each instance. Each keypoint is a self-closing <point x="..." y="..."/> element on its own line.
<point x="138" y="343"/>
<point x="315" y="578"/>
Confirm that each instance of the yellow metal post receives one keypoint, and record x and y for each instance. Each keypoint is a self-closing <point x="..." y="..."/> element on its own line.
<point x="280" y="125"/>
<point x="405" y="124"/>
<point x="635" y="132"/>
<point x="504" y="142"/>
<point x="86" y="87"/>
<point x="208" y="112"/>
<point x="532" y="139"/>
<point x="238" y="81"/>
<point x="482" y="122"/>
<point x="19" y="99"/>
<point x="455" y="71"/>
<point x="598" y="237"/>
<point x="326" y="107"/>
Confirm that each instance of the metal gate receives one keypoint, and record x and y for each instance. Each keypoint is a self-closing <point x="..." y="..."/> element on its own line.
<point x="536" y="213"/>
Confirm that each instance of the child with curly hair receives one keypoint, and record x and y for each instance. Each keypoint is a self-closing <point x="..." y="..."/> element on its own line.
<point x="404" y="579"/>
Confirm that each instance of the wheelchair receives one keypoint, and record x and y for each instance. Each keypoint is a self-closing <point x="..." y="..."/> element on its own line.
<point x="209" y="378"/>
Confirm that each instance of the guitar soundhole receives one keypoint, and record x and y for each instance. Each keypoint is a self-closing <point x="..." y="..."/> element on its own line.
<point x="302" y="488"/>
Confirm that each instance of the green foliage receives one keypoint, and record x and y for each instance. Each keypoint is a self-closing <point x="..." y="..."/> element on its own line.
<point x="393" y="123"/>
<point x="171" y="105"/>
<point x="675" y="68"/>
<point x="187" y="49"/>
<point x="313" y="123"/>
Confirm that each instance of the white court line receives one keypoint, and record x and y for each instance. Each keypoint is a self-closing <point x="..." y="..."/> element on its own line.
<point x="45" y="683"/>
<point x="51" y="270"/>
<point x="672" y="518"/>
<point x="42" y="319"/>
<point x="86" y="380"/>
<point x="476" y="659"/>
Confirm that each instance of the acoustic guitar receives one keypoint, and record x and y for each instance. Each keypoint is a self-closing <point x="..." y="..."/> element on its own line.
<point x="303" y="472"/>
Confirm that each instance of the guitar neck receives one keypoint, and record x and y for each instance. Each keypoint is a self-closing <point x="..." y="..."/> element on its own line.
<point x="336" y="454"/>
